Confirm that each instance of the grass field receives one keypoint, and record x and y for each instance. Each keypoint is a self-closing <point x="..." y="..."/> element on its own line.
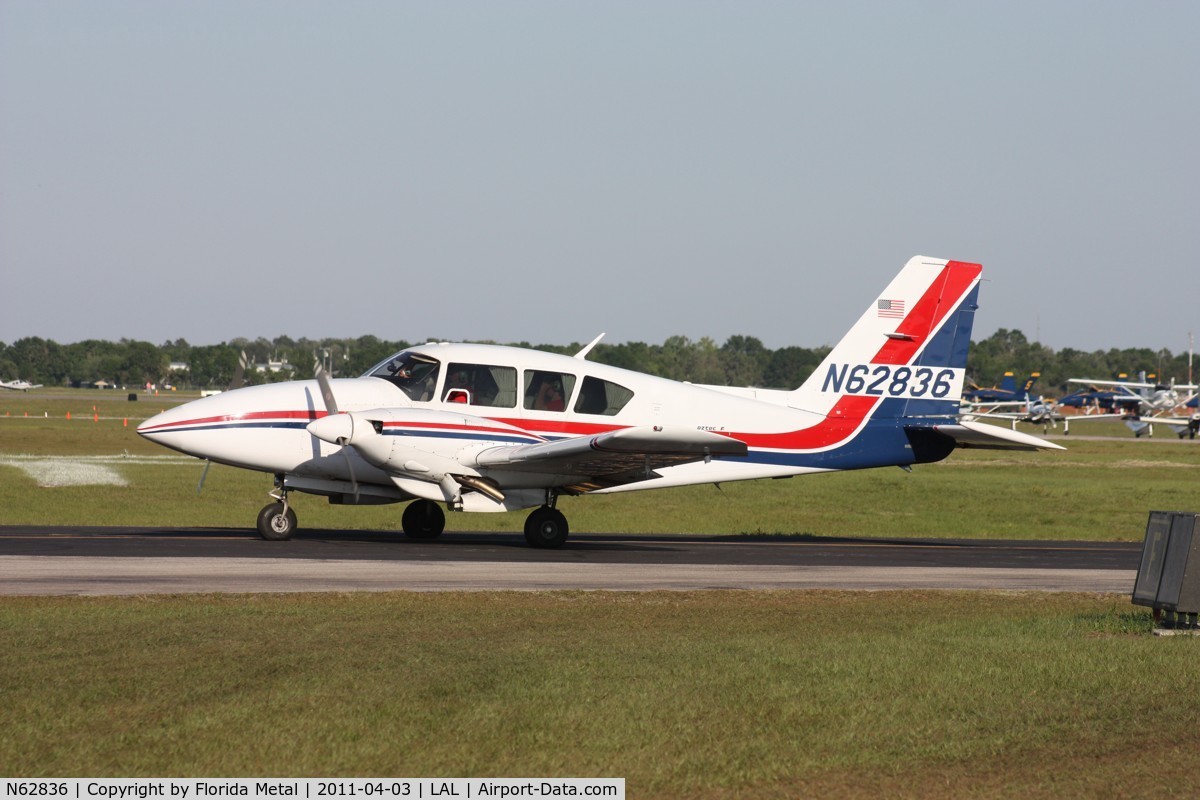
<point x="705" y="694"/>
<point x="698" y="694"/>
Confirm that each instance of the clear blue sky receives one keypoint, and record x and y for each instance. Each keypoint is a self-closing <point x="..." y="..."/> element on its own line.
<point x="545" y="171"/>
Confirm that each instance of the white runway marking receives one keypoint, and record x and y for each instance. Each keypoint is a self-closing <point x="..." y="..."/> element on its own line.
<point x="51" y="471"/>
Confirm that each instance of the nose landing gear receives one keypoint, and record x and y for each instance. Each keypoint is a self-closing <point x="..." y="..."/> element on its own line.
<point x="277" y="522"/>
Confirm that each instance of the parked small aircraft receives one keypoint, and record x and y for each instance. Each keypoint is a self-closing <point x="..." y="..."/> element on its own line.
<point x="1182" y="426"/>
<point x="1037" y="411"/>
<point x="1006" y="392"/>
<point x="19" y="385"/>
<point x="1142" y="397"/>
<point x="490" y="428"/>
<point x="1140" y="403"/>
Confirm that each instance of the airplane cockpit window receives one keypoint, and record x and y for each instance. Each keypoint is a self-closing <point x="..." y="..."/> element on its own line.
<point x="547" y="391"/>
<point x="415" y="374"/>
<point x="480" y="385"/>
<point x="602" y="397"/>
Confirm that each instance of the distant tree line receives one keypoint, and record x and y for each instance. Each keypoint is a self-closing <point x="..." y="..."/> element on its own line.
<point x="740" y="361"/>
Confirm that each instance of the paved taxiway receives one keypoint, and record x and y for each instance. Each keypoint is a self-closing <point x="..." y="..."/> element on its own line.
<point x="114" y="560"/>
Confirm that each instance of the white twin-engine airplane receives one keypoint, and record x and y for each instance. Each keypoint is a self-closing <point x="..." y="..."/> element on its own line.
<point x="19" y="385"/>
<point x="490" y="428"/>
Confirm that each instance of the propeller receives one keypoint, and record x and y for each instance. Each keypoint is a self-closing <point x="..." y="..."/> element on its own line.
<point x="326" y="389"/>
<point x="335" y="427"/>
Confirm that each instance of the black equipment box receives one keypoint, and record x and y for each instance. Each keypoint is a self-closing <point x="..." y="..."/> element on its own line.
<point x="1168" y="577"/>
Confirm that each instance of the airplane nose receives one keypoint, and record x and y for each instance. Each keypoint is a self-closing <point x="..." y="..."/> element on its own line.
<point x="162" y="427"/>
<point x="181" y="428"/>
<point x="150" y="424"/>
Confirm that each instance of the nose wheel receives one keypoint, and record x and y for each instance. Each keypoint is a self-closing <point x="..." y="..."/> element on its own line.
<point x="276" y="522"/>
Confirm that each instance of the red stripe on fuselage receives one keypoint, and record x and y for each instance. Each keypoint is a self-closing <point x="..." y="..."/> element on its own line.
<point x="560" y="427"/>
<point x="841" y="423"/>
<point x="249" y="416"/>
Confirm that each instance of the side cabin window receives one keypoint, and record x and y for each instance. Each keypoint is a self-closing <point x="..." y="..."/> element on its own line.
<point x="415" y="374"/>
<point x="547" y="391"/>
<point x="601" y="397"/>
<point x="480" y="385"/>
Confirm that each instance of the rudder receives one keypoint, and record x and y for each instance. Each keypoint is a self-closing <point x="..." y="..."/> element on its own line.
<point x="910" y="345"/>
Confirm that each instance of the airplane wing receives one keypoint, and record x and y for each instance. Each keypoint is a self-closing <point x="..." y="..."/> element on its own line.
<point x="1009" y="416"/>
<point x="616" y="457"/>
<point x="1176" y="422"/>
<point x="985" y="407"/>
<point x="969" y="433"/>
<point x="1130" y="385"/>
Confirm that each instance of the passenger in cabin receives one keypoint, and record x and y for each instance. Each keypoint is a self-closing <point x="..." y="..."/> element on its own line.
<point x="458" y="387"/>
<point x="549" y="395"/>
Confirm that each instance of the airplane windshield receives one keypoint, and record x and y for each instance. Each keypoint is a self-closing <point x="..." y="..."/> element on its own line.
<point x="415" y="374"/>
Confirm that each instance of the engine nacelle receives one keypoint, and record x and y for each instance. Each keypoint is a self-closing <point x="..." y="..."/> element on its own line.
<point x="423" y="444"/>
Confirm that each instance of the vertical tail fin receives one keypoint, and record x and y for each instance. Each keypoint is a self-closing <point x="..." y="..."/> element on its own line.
<point x="907" y="354"/>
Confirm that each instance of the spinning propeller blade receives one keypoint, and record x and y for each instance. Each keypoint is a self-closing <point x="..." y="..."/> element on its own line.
<point x="326" y="390"/>
<point x="335" y="428"/>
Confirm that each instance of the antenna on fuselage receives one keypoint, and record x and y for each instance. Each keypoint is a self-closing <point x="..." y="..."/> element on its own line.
<point x="588" y="348"/>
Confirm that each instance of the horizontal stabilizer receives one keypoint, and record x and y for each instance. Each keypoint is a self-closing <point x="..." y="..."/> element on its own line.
<point x="969" y="433"/>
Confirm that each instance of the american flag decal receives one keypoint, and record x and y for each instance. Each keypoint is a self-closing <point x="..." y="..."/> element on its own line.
<point x="893" y="309"/>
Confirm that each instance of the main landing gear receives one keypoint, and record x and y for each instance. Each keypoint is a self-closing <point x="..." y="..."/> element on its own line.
<point x="546" y="527"/>
<point x="422" y="519"/>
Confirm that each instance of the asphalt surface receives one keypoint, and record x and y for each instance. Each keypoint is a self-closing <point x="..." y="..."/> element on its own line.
<point x="126" y="560"/>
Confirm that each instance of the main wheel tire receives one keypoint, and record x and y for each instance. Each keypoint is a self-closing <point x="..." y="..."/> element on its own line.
<point x="275" y="524"/>
<point x="423" y="519"/>
<point x="546" y="527"/>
